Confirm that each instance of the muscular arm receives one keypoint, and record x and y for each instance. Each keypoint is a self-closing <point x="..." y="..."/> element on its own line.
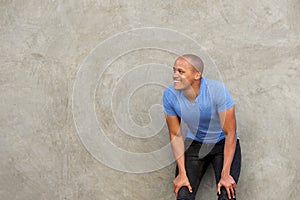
<point x="228" y="123"/>
<point x="177" y="144"/>
<point x="176" y="140"/>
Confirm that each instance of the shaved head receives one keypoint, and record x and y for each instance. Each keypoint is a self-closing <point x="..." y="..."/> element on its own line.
<point x="195" y="61"/>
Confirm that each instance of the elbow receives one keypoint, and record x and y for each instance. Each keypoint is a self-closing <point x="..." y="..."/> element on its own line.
<point x="174" y="134"/>
<point x="230" y="135"/>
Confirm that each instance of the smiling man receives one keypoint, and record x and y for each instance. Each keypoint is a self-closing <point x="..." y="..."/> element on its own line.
<point x="207" y="109"/>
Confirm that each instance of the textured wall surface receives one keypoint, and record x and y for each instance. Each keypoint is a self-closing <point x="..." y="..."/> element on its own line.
<point x="48" y="46"/>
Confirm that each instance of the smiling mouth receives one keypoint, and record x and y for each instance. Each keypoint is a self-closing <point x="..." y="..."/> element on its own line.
<point x="175" y="81"/>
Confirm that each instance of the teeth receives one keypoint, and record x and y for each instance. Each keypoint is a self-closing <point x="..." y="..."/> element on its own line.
<point x="176" y="81"/>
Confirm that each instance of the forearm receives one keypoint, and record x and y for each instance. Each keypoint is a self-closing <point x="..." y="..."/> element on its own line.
<point x="178" y="151"/>
<point x="229" y="150"/>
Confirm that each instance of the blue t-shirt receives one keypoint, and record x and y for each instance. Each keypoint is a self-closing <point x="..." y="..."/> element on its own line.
<point x="202" y="115"/>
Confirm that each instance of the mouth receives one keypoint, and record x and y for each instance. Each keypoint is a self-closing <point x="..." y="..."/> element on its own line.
<point x="176" y="81"/>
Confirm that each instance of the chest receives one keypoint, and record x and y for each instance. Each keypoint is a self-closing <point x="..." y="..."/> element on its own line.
<point x="203" y="107"/>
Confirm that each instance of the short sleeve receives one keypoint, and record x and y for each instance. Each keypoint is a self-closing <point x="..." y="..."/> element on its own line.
<point x="223" y="99"/>
<point x="168" y="104"/>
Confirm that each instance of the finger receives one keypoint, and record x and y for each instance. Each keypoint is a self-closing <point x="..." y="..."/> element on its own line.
<point x="176" y="188"/>
<point x="190" y="188"/>
<point x="228" y="193"/>
<point x="234" y="186"/>
<point x="176" y="191"/>
<point x="232" y="191"/>
<point x="219" y="188"/>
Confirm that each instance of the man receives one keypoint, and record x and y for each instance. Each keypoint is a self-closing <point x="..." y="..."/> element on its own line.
<point x="208" y="111"/>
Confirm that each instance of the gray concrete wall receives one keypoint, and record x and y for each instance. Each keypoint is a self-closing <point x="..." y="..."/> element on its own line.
<point x="69" y="68"/>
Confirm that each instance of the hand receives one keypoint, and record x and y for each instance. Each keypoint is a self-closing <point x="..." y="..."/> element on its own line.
<point x="180" y="181"/>
<point x="229" y="184"/>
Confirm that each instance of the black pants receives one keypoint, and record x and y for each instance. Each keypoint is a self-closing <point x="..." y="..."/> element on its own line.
<point x="197" y="158"/>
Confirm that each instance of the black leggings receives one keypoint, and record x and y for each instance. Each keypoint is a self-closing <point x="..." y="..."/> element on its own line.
<point x="197" y="158"/>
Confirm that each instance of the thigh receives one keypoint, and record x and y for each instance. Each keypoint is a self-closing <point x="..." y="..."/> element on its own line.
<point x="195" y="169"/>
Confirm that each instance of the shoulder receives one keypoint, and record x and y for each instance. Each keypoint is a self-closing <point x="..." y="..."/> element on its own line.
<point x="170" y="91"/>
<point x="219" y="94"/>
<point x="214" y="86"/>
<point x="170" y="94"/>
<point x="211" y="82"/>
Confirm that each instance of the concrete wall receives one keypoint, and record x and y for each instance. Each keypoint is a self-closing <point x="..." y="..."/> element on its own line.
<point x="69" y="68"/>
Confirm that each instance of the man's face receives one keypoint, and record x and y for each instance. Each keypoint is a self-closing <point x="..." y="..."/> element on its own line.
<point x="184" y="74"/>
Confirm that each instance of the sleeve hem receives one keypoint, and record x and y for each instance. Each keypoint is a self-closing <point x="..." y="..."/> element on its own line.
<point x="227" y="107"/>
<point x="172" y="114"/>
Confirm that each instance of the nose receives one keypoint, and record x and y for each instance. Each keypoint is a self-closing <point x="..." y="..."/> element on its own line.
<point x="175" y="75"/>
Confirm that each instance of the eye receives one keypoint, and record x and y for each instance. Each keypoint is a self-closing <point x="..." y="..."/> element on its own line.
<point x="179" y="70"/>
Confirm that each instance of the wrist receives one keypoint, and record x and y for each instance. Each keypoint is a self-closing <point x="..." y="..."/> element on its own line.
<point x="181" y="172"/>
<point x="225" y="173"/>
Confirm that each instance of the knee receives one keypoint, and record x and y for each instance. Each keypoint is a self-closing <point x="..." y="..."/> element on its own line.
<point x="184" y="194"/>
<point x="223" y="195"/>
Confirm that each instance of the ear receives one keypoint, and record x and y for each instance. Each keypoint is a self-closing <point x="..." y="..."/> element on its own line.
<point x="197" y="76"/>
